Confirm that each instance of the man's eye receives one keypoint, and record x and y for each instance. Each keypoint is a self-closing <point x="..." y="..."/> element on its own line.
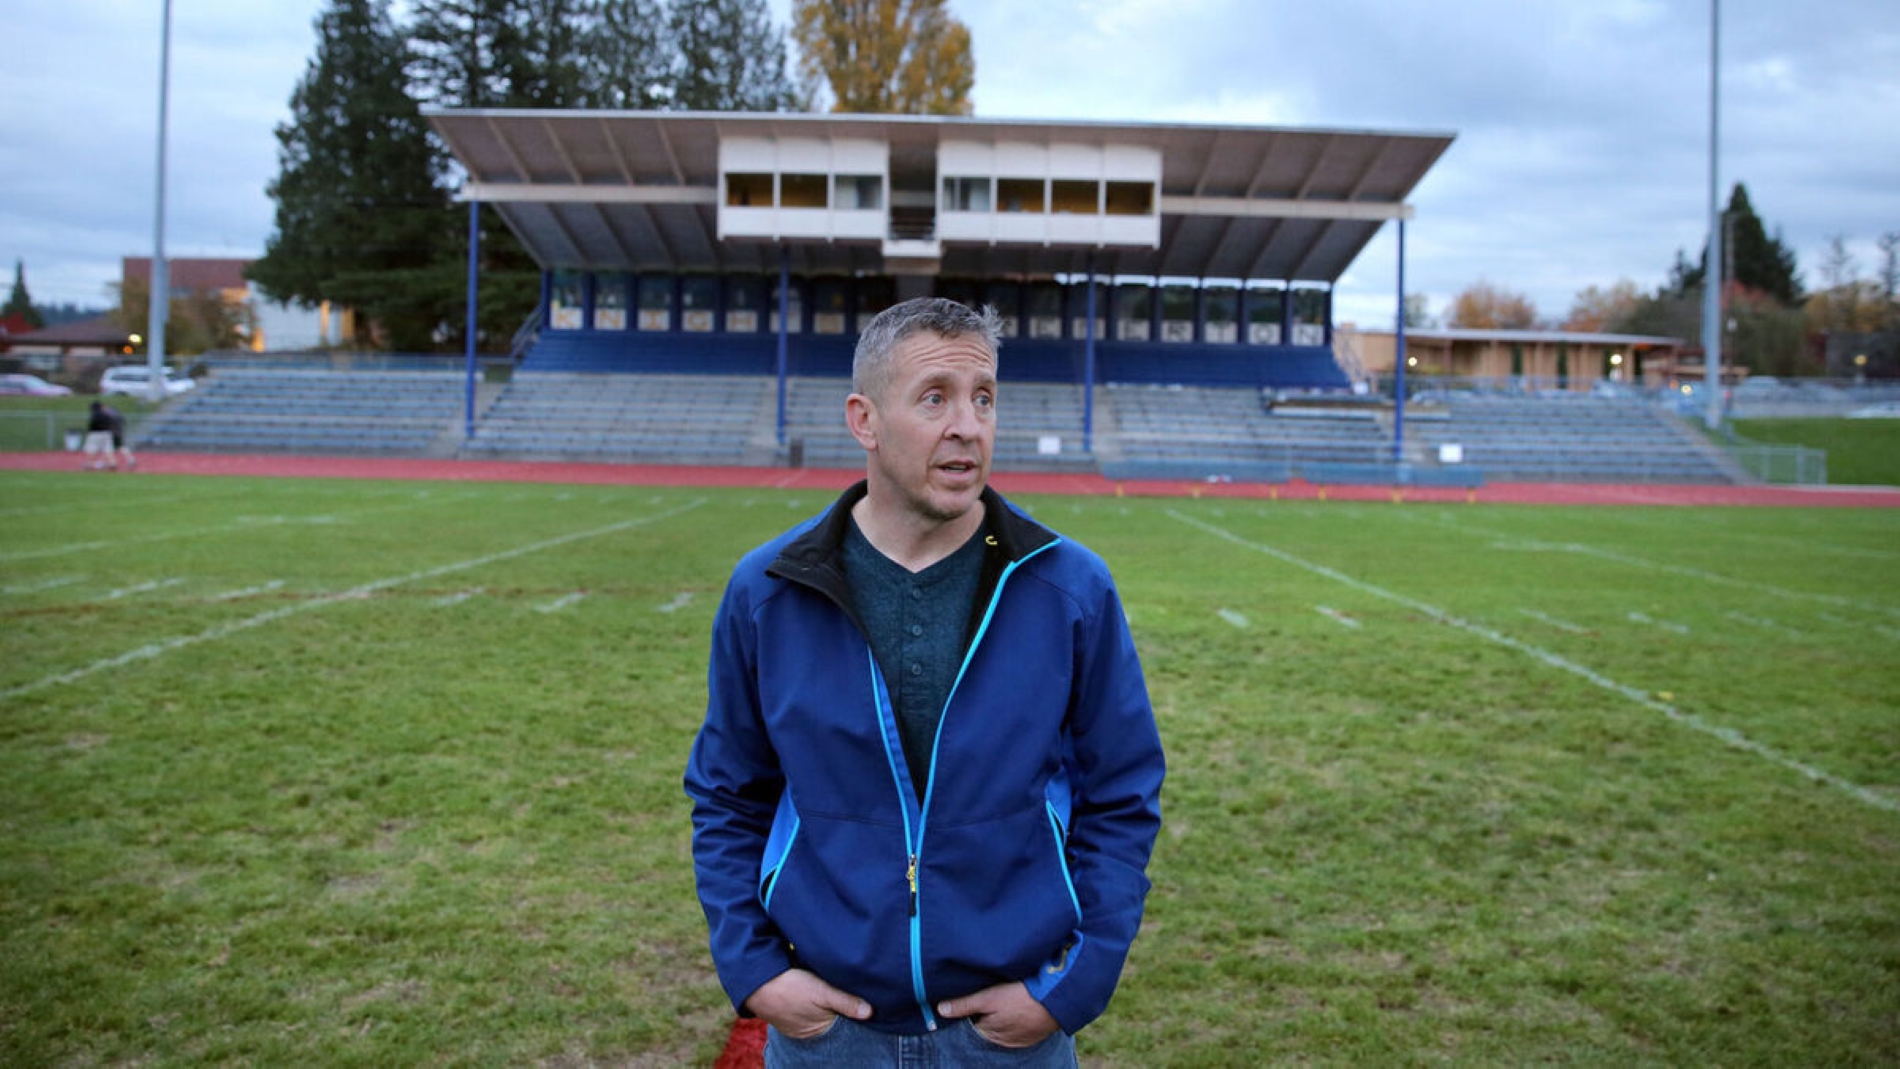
<point x="984" y="400"/>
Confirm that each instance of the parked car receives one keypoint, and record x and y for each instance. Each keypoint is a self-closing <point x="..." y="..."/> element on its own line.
<point x="1879" y="410"/>
<point x="30" y="386"/>
<point x="136" y="381"/>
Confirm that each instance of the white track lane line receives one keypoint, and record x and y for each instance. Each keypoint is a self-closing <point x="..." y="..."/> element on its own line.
<point x="179" y="642"/>
<point x="1726" y="734"/>
<point x="1233" y="618"/>
<point x="1337" y="616"/>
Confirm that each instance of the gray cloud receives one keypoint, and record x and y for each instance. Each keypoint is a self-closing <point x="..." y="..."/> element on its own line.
<point x="1580" y="159"/>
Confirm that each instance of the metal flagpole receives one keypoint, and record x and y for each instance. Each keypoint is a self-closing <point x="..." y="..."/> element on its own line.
<point x="1398" y="361"/>
<point x="471" y="323"/>
<point x="160" y="289"/>
<point x="1712" y="266"/>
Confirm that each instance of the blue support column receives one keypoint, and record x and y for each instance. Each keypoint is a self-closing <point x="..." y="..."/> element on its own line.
<point x="588" y="286"/>
<point x="1398" y="361"/>
<point x="474" y="258"/>
<point x="1286" y="312"/>
<point x="1326" y="319"/>
<point x="1243" y="315"/>
<point x="784" y="325"/>
<point x="1088" y="368"/>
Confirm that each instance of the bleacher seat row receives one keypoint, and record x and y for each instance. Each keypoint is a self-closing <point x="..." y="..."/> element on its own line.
<point x="1137" y="430"/>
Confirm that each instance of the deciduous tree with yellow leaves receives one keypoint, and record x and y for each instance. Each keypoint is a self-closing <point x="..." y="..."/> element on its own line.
<point x="904" y="57"/>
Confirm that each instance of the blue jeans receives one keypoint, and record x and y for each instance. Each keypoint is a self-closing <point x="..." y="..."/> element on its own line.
<point x="953" y="1045"/>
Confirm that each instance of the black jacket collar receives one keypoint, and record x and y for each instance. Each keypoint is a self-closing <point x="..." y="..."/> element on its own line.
<point x="816" y="558"/>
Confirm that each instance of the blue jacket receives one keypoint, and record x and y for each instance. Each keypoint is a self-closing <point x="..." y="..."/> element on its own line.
<point x="1025" y="858"/>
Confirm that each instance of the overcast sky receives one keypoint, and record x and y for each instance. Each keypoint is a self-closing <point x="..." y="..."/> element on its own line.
<point x="1582" y="125"/>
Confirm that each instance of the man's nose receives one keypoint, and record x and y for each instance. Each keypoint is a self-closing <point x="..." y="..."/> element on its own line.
<point x="963" y="420"/>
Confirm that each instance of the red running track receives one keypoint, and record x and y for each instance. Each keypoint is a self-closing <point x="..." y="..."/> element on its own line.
<point x="308" y="467"/>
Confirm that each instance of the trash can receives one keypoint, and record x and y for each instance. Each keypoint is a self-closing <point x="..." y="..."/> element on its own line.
<point x="75" y="439"/>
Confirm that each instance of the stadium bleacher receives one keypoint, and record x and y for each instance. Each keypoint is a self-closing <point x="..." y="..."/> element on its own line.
<point x="304" y="410"/>
<point x="729" y="416"/>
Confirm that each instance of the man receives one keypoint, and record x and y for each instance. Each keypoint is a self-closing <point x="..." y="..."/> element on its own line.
<point x="928" y="782"/>
<point x="105" y="438"/>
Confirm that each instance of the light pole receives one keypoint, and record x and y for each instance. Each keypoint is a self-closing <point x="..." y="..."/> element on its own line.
<point x="1712" y="267"/>
<point x="160" y="303"/>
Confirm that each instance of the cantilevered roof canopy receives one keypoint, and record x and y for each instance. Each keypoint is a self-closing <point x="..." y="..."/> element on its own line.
<point x="639" y="191"/>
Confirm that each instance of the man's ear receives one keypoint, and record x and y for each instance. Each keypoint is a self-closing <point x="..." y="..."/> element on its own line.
<point x="859" y="415"/>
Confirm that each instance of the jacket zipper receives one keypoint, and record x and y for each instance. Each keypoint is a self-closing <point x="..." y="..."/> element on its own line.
<point x="915" y="815"/>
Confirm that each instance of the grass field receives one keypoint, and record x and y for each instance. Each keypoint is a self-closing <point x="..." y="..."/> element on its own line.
<point x="358" y="773"/>
<point x="1860" y="452"/>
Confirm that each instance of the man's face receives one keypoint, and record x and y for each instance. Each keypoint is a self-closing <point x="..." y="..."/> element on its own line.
<point x="934" y="424"/>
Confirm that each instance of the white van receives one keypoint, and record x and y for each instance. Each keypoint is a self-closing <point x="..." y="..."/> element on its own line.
<point x="135" y="380"/>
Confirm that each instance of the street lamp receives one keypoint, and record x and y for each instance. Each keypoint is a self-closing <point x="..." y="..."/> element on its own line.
<point x="1860" y="369"/>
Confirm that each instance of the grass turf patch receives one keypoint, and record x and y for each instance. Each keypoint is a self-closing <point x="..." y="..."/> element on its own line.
<point x="394" y="776"/>
<point x="1860" y="452"/>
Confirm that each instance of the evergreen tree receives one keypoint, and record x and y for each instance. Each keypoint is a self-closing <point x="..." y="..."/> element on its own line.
<point x="630" y="50"/>
<point x="19" y="302"/>
<point x="503" y="53"/>
<point x="1759" y="261"/>
<point x="360" y="217"/>
<point x="728" y="57"/>
<point x="1750" y="257"/>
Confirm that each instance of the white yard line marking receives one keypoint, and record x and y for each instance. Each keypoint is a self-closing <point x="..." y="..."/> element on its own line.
<point x="1764" y="623"/>
<point x="680" y="601"/>
<point x="241" y="523"/>
<point x="1337" y="616"/>
<point x="1233" y="617"/>
<point x="52" y="551"/>
<point x="142" y="588"/>
<point x="44" y="584"/>
<point x="1645" y="618"/>
<point x="1561" y="625"/>
<point x="1691" y="720"/>
<point x="247" y="592"/>
<point x="1890" y="632"/>
<point x="458" y="597"/>
<point x="178" y="642"/>
<point x="561" y="602"/>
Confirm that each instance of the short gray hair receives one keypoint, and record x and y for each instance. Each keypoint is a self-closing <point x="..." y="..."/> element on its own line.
<point x="871" y="363"/>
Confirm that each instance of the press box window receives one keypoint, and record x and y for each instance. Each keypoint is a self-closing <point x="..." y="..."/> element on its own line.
<point x="1019" y="194"/>
<point x="1071" y="197"/>
<point x="749" y="190"/>
<point x="966" y="194"/>
<point x="1130" y="198"/>
<point x="802" y="191"/>
<point x="857" y="192"/>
